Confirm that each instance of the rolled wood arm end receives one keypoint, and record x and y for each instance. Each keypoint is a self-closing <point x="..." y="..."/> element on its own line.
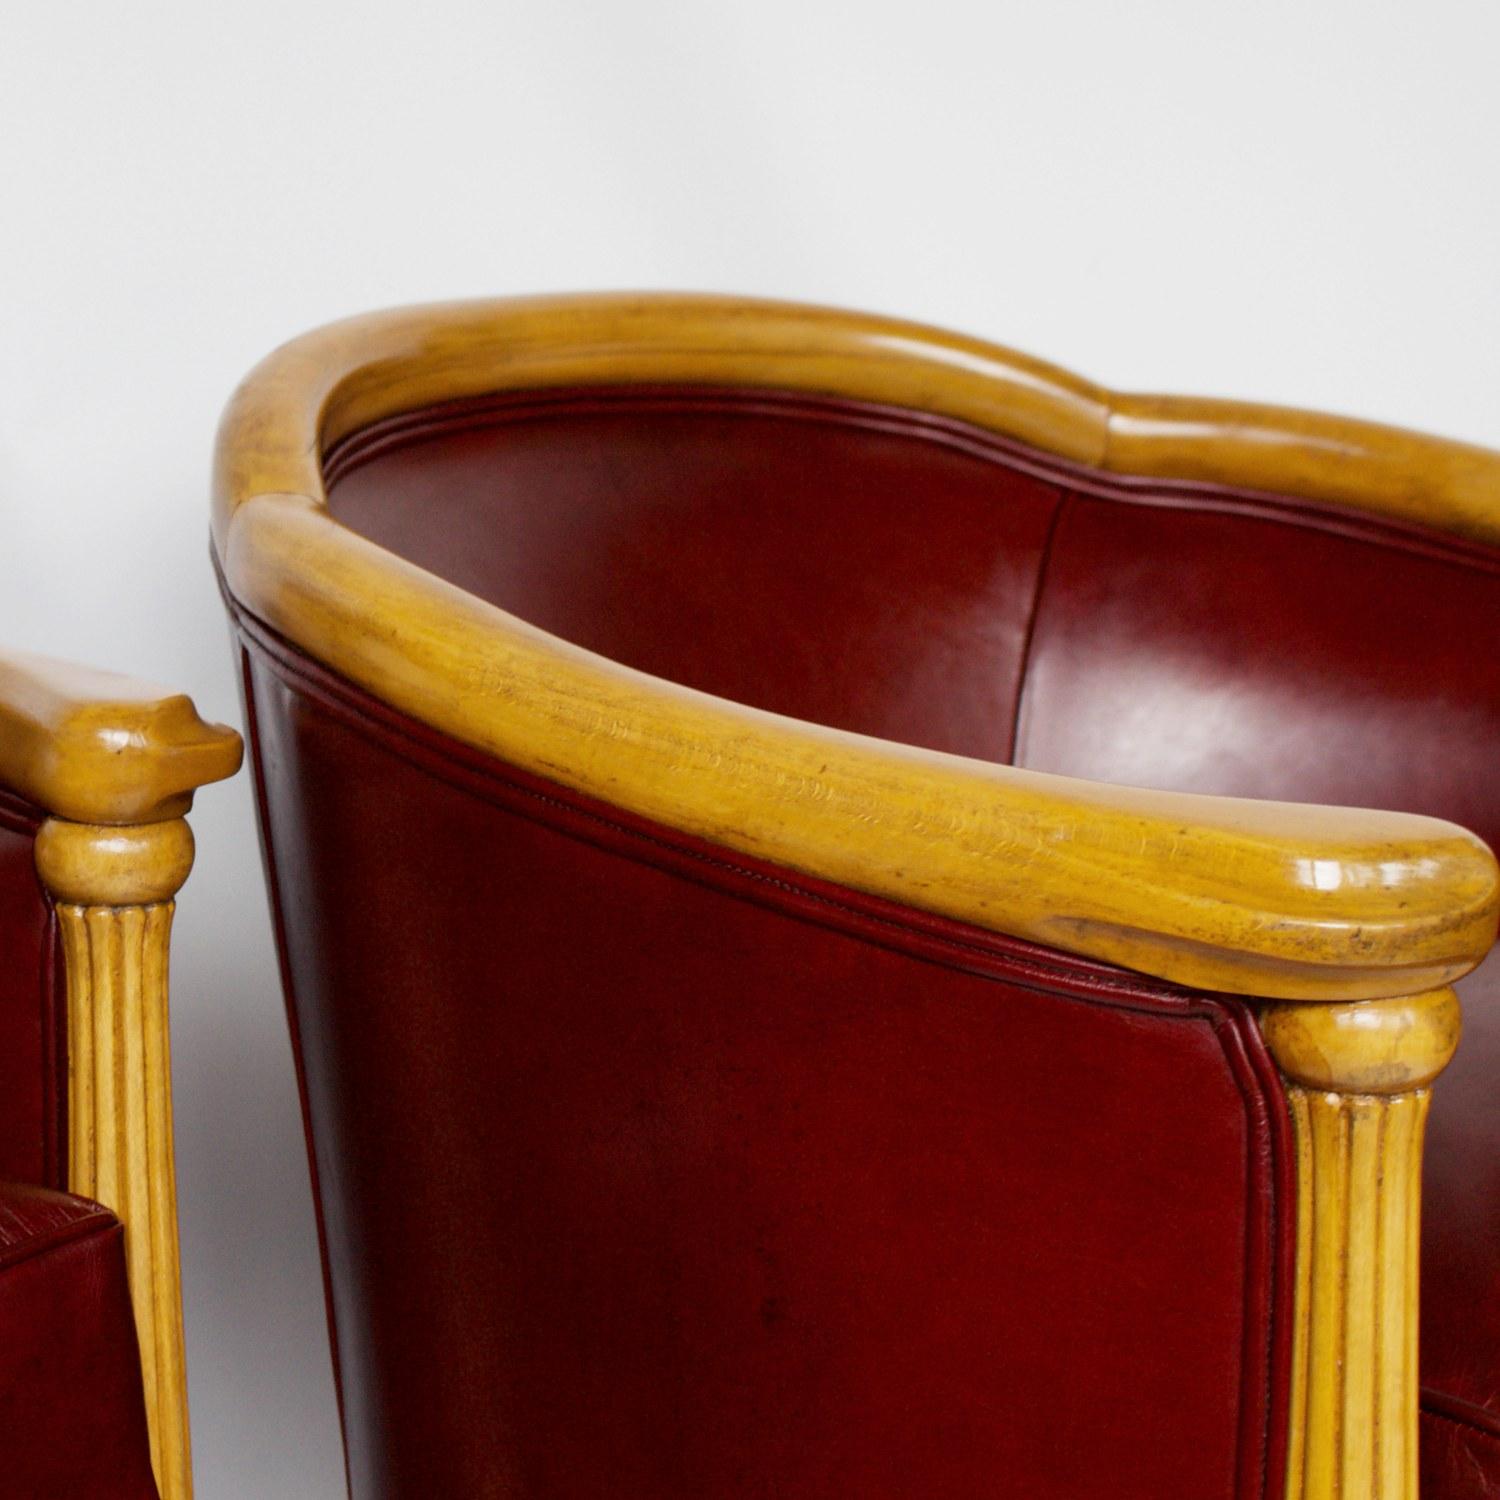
<point x="95" y="747"/>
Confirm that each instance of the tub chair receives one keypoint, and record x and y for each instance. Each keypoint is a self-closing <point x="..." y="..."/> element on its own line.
<point x="826" y="942"/>
<point x="96" y="772"/>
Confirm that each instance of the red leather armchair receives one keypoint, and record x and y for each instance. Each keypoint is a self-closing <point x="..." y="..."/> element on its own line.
<point x="753" y="1039"/>
<point x="95" y="774"/>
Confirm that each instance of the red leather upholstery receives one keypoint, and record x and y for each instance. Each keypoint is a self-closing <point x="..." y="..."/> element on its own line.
<point x="810" y="557"/>
<point x="32" y="1061"/>
<point x="1267" y="652"/>
<point x="72" y="1416"/>
<point x="645" y="1170"/>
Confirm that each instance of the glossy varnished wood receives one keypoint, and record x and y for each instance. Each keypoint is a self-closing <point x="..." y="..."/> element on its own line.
<point x="114" y="911"/>
<point x="97" y="747"/>
<point x="1358" y="1080"/>
<point x="1255" y="898"/>
<point x="336" y="380"/>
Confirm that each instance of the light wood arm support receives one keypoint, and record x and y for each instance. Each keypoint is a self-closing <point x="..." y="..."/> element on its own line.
<point x="1358" y="1080"/>
<point x="116" y="763"/>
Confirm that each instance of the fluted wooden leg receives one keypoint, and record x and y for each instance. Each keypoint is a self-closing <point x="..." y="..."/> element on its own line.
<point x="120" y="1149"/>
<point x="1357" y="1082"/>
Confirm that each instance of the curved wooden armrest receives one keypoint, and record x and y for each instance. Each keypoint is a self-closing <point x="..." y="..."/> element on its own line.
<point x="1273" y="900"/>
<point x="95" y="747"/>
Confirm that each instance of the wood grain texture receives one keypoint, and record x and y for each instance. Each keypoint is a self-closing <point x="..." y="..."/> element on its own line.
<point x="1254" y="898"/>
<point x="1358" y="1086"/>
<point x="120" y="1146"/>
<point x="100" y="748"/>
<point x="319" y="388"/>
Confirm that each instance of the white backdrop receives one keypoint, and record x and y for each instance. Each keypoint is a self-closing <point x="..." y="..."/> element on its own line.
<point x="1292" y="202"/>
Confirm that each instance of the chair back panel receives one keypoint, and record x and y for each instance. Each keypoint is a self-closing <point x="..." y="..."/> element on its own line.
<point x="1257" y="651"/>
<point x="915" y="579"/>
<point x="850" y="565"/>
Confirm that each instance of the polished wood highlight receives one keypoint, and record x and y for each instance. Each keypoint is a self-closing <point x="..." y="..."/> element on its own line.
<point x="120" y="1145"/>
<point x="100" y="748"/>
<point x="335" y="380"/>
<point x="1358" y="1082"/>
<point x="1264" y="899"/>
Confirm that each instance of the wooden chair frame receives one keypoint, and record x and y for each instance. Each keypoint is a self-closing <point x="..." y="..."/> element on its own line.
<point x="114" y="763"/>
<point x="1348" y="925"/>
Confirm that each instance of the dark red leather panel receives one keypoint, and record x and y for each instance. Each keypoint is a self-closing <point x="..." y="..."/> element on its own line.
<point x="72" y="1416"/>
<point x="32" y="1064"/>
<point x="1207" y="650"/>
<point x="1461" y="1249"/>
<point x="849" y="565"/>
<point x="645" y="1171"/>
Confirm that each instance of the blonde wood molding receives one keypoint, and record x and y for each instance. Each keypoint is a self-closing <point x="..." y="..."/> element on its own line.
<point x="1279" y="901"/>
<point x="99" y="748"/>
<point x="1358" y="1081"/>
<point x="113" y="890"/>
<point x="321" y="387"/>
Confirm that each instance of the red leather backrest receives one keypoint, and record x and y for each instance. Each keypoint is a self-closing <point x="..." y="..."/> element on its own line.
<point x="853" y="567"/>
<point x="918" y="580"/>
<point x="1265" y="653"/>
<point x="33" y="1060"/>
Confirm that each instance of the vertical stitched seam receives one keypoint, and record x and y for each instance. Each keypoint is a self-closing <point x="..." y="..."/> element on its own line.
<point x="1044" y="564"/>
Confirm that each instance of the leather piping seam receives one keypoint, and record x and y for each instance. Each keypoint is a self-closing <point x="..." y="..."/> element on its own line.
<point x="97" y="1223"/>
<point x="1268" y="1119"/>
<point x="1018" y="723"/>
<point x="1454" y="1410"/>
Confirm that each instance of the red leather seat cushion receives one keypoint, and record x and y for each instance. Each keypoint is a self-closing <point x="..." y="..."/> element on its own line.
<point x="72" y="1415"/>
